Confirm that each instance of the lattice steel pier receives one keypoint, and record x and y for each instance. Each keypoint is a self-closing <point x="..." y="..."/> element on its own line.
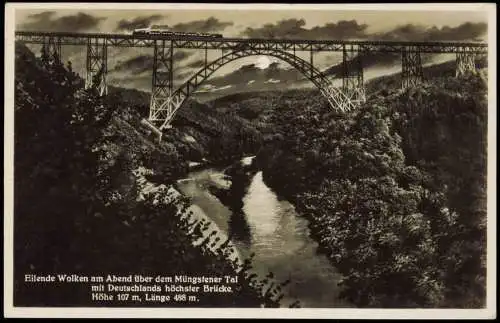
<point x="352" y="74"/>
<point x="97" y="65"/>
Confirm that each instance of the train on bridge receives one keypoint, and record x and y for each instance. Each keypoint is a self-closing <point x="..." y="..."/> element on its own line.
<point x="159" y="31"/>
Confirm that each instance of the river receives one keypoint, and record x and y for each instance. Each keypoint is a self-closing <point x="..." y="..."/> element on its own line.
<point x="272" y="230"/>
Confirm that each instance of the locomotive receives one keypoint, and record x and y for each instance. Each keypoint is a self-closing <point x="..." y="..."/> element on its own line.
<point x="157" y="31"/>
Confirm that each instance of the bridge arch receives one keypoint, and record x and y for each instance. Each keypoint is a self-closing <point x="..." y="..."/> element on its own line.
<point x="162" y="113"/>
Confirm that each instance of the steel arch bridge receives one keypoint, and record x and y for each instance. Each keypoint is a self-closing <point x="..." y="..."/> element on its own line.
<point x="165" y="100"/>
<point x="164" y="105"/>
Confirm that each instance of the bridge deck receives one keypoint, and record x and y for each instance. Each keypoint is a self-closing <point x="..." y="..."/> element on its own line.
<point x="193" y="42"/>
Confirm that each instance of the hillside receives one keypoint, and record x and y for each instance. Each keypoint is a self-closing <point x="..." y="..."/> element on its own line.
<point x="446" y="69"/>
<point x="394" y="191"/>
<point x="199" y="131"/>
<point x="78" y="204"/>
<point x="256" y="105"/>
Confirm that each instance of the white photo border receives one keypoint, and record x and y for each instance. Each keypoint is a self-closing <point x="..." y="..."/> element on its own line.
<point x="338" y="313"/>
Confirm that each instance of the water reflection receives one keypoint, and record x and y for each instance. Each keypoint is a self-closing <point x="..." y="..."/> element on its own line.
<point x="239" y="230"/>
<point x="258" y="222"/>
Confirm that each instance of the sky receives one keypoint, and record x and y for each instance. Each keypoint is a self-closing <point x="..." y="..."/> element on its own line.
<point x="132" y="67"/>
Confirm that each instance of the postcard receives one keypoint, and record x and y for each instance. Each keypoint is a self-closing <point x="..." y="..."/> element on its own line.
<point x="250" y="160"/>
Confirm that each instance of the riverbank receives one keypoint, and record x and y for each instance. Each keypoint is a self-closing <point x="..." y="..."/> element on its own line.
<point x="214" y="240"/>
<point x="206" y="163"/>
<point x="266" y="226"/>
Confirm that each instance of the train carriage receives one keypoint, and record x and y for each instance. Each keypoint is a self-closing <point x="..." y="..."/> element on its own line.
<point x="162" y="31"/>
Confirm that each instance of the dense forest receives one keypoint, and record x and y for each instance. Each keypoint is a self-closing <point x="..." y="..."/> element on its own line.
<point x="395" y="191"/>
<point x="199" y="132"/>
<point x="78" y="202"/>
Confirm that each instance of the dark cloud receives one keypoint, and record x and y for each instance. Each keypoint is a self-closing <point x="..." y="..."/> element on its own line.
<point x="294" y="29"/>
<point x="136" y="64"/>
<point x="289" y="28"/>
<point x="161" y="26"/>
<point x="196" y="64"/>
<point x="341" y="30"/>
<point x="138" y="82"/>
<point x="180" y="55"/>
<point x="203" y="26"/>
<point x="209" y="25"/>
<point x="184" y="75"/>
<point x="138" y="22"/>
<point x="142" y="63"/>
<point x="250" y="72"/>
<point x="409" y="32"/>
<point x="45" y="21"/>
<point x="351" y="29"/>
<point x="249" y="78"/>
<point x="465" y="32"/>
<point x="379" y="59"/>
<point x="404" y="32"/>
<point x="42" y="15"/>
<point x="369" y="60"/>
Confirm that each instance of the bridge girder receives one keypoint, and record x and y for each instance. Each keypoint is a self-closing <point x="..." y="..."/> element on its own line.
<point x="188" y="42"/>
<point x="412" y="72"/>
<point x="352" y="74"/>
<point x="97" y="65"/>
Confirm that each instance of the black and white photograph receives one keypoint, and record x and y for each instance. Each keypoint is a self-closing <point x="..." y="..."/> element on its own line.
<point x="239" y="160"/>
